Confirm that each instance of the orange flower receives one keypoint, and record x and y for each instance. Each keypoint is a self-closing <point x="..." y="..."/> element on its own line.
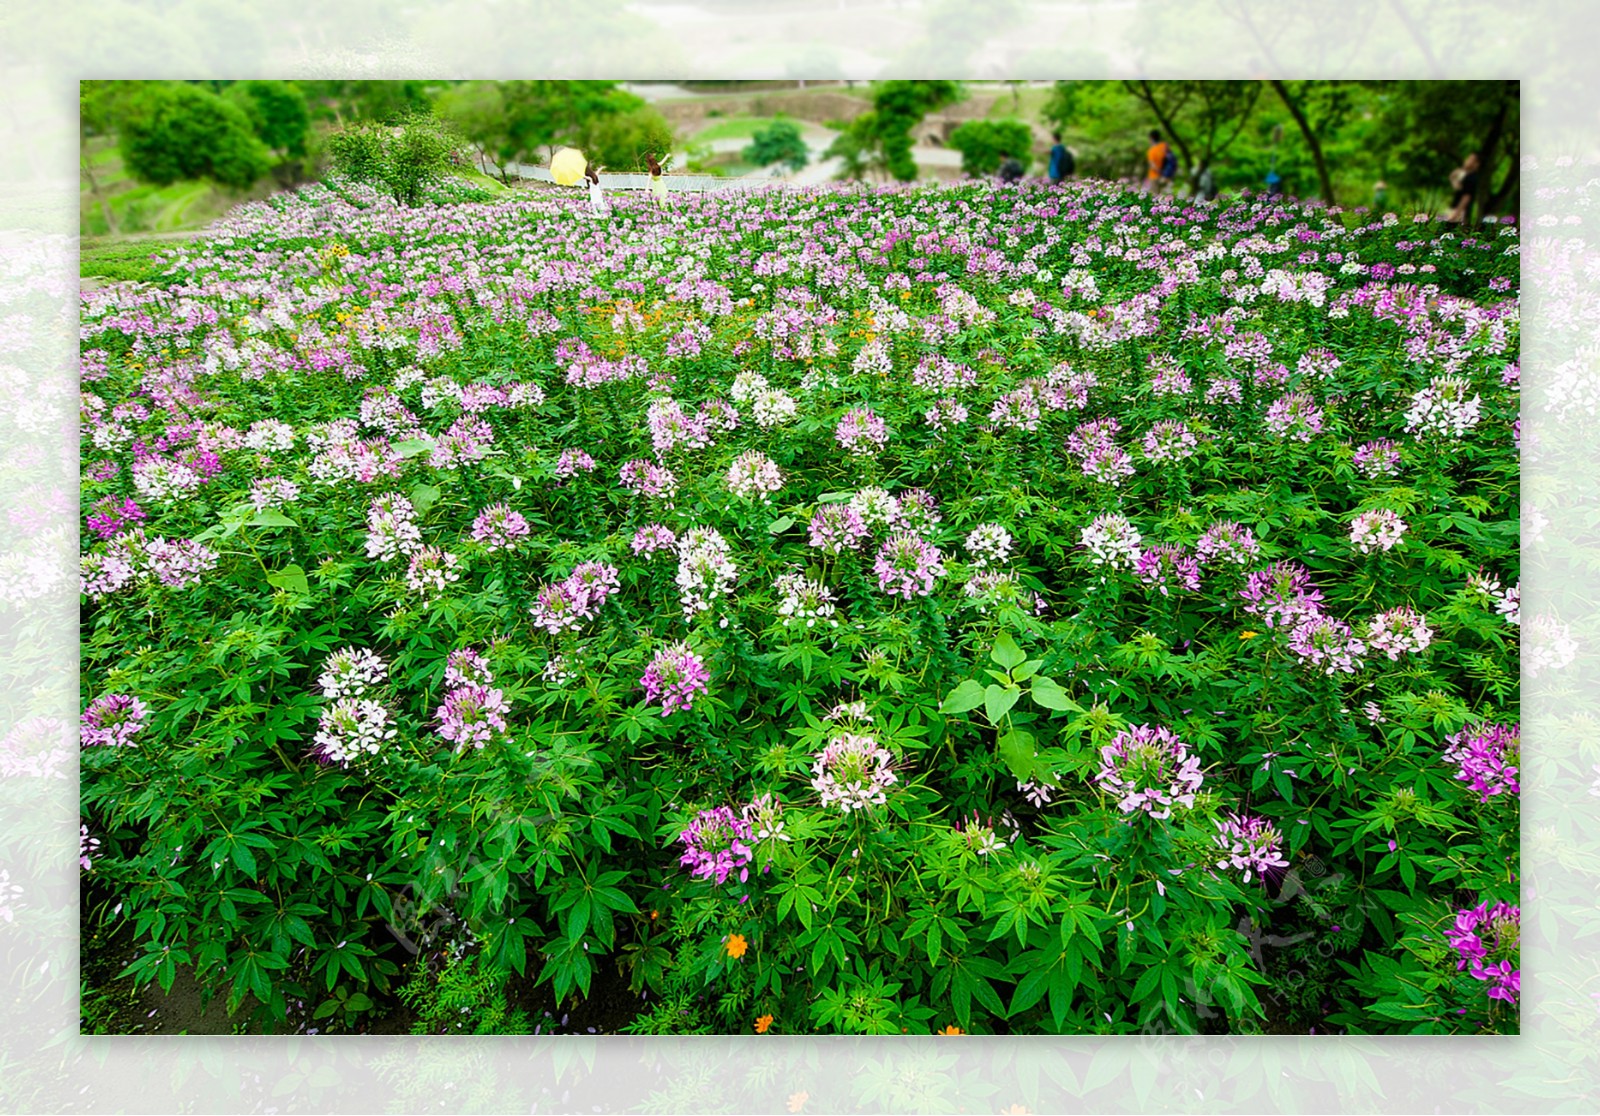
<point x="1015" y="1110"/>
<point x="1248" y="635"/>
<point x="654" y="915"/>
<point x="762" y="1023"/>
<point x="952" y="1030"/>
<point x="735" y="945"/>
<point x="797" y="1101"/>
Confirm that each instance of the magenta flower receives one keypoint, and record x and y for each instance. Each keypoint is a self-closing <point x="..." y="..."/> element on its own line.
<point x="907" y="565"/>
<point x="673" y="677"/>
<point x="112" y="720"/>
<point x="1326" y="644"/>
<point x="853" y="772"/>
<point x="716" y="845"/>
<point x="572" y="462"/>
<point x="1149" y="769"/>
<point x="1378" y="459"/>
<point x="1296" y="416"/>
<point x="497" y="527"/>
<point x="112" y="516"/>
<point x="1486" y="758"/>
<point x="653" y="537"/>
<point x="1249" y="843"/>
<point x="472" y="714"/>
<point x="1227" y="542"/>
<point x="1486" y="940"/>
<point x="467" y="668"/>
<point x="1282" y="594"/>
<point x="836" y="528"/>
<point x="1400" y="631"/>
<point x="1168" y="569"/>
<point x="861" y="432"/>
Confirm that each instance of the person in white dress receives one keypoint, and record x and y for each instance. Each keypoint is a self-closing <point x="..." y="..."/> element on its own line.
<point x="597" y="194"/>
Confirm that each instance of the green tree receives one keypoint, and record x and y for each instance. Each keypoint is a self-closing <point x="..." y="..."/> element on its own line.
<point x="983" y="142"/>
<point x="175" y="131"/>
<point x="1426" y="129"/>
<point x="402" y="159"/>
<point x="477" y="110"/>
<point x="278" y="113"/>
<point x="899" y="106"/>
<point x="779" y="142"/>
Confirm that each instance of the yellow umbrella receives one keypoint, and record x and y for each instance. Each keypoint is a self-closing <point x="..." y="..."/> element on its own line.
<point x="567" y="166"/>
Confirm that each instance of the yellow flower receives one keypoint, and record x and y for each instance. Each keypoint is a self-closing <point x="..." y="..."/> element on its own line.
<point x="1248" y="635"/>
<point x="762" y="1023"/>
<point x="735" y="945"/>
<point x="1015" y="1110"/>
<point x="797" y="1101"/>
<point x="952" y="1030"/>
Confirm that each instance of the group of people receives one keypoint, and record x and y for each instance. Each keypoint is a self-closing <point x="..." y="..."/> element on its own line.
<point x="598" y="206"/>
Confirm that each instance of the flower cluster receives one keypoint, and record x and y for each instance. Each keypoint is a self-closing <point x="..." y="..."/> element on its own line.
<point x="134" y="558"/>
<point x="351" y="728"/>
<point x="716" y="845"/>
<point x="1399" y="631"/>
<point x="754" y="476"/>
<point x="861" y="432"/>
<point x="1378" y="459"/>
<point x="1249" y="843"/>
<point x="674" y="676"/>
<point x="877" y="508"/>
<point x="431" y="569"/>
<point x="989" y="544"/>
<point x="497" y="527"/>
<point x="392" y="528"/>
<point x="112" y="720"/>
<point x="649" y="479"/>
<point x="764" y="815"/>
<point x="1111" y="541"/>
<point x="473" y="711"/>
<point x="1167" y="569"/>
<point x="352" y="672"/>
<point x="1377" y="530"/>
<point x="1327" y="645"/>
<point x="836" y="528"/>
<point x="1486" y="759"/>
<point x="907" y="566"/>
<point x="1227" y="542"/>
<point x="572" y="462"/>
<point x="1149" y="769"/>
<point x="653" y="537"/>
<point x="1295" y="416"/>
<point x="705" y="569"/>
<point x="1486" y="939"/>
<point x="1169" y="441"/>
<point x="853" y="772"/>
<point x="1442" y="409"/>
<point x="983" y="835"/>
<point x="576" y="599"/>
<point x="804" y="599"/>
<point x="1282" y="594"/>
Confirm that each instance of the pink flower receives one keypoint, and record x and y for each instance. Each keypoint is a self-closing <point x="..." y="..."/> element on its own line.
<point x="674" y="676"/>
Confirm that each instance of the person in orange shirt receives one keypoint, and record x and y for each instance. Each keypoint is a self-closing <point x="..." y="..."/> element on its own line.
<point x="1157" y="157"/>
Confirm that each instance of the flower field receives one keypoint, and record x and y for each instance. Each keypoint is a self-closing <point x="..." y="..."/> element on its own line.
<point x="868" y="611"/>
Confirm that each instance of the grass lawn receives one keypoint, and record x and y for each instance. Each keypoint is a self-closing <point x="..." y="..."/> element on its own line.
<point x="732" y="127"/>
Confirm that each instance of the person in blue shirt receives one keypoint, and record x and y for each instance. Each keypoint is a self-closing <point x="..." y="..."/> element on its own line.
<point x="1061" y="161"/>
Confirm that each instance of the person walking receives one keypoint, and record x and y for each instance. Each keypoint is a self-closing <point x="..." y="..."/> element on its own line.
<point x="597" y="196"/>
<point x="1163" y="163"/>
<point x="1464" y="188"/>
<point x="1062" y="164"/>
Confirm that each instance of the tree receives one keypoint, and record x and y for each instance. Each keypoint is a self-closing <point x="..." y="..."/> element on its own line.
<point x="1306" y="130"/>
<point x="278" y="113"/>
<point x="982" y="142"/>
<point x="856" y="147"/>
<point x="898" y="107"/>
<point x="477" y="111"/>
<point x="401" y="160"/>
<point x="1202" y="119"/>
<point x="779" y="142"/>
<point x="1426" y="129"/>
<point x="175" y="131"/>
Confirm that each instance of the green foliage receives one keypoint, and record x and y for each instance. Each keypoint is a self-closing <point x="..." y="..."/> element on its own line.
<point x="174" y="131"/>
<point x="402" y="160"/>
<point x="982" y="142"/>
<point x="460" y="998"/>
<point x="779" y="142"/>
<point x="277" y="111"/>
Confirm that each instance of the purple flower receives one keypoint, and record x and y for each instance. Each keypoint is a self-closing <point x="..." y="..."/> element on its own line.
<point x="112" y="720"/>
<point x="853" y="772"/>
<point x="861" y="432"/>
<point x="907" y="565"/>
<point x="572" y="462"/>
<point x="836" y="528"/>
<point x="1398" y="632"/>
<point x="497" y="527"/>
<point x="1149" y="769"/>
<point x="716" y="845"/>
<point x="1485" y="940"/>
<point x="467" y="668"/>
<point x="1295" y="416"/>
<point x="673" y="677"/>
<point x="1168" y="568"/>
<point x="1249" y="843"/>
<point x="1486" y="758"/>
<point x="653" y="537"/>
<point x="472" y="714"/>
<point x="112" y="516"/>
<point x="1227" y="542"/>
<point x="1325" y="643"/>
<point x="1282" y="594"/>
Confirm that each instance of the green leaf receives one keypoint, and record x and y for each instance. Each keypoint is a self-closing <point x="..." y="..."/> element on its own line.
<point x="1006" y="653"/>
<point x="780" y="525"/>
<point x="412" y="447"/>
<point x="270" y="517"/>
<point x="290" y="577"/>
<point x="1016" y="749"/>
<point x="1048" y="693"/>
<point x="423" y="497"/>
<point x="965" y="697"/>
<point x="998" y="700"/>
